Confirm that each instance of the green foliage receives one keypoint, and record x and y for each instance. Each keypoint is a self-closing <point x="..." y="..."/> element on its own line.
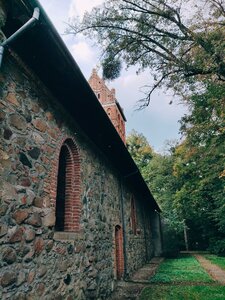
<point x="217" y="247"/>
<point x="111" y="68"/>
<point x="171" y="245"/>
<point x="155" y="35"/>
<point x="199" y="166"/>
<point x="163" y="292"/>
<point x="140" y="150"/>
<point x="159" y="176"/>
<point x="157" y="171"/>
<point x="205" y="124"/>
<point x="183" y="269"/>
<point x="188" y="183"/>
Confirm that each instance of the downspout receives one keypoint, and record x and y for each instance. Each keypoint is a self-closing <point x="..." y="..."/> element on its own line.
<point x="27" y="25"/>
<point x="145" y="234"/>
<point x="124" y="230"/>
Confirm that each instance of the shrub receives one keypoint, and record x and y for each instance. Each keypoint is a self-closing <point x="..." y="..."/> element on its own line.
<point x="217" y="247"/>
<point x="170" y="243"/>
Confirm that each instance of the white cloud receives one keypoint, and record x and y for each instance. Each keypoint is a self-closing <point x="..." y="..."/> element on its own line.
<point x="85" y="55"/>
<point x="128" y="87"/>
<point x="79" y="7"/>
<point x="131" y="79"/>
<point x="82" y="52"/>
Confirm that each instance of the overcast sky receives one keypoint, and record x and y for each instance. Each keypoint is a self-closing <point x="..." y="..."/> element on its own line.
<point x="159" y="121"/>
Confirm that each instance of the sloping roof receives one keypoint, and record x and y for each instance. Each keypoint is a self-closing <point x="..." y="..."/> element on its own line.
<point x="121" y="110"/>
<point x="43" y="50"/>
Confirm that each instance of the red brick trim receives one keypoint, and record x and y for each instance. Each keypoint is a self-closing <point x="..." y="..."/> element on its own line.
<point x="119" y="256"/>
<point x="72" y="186"/>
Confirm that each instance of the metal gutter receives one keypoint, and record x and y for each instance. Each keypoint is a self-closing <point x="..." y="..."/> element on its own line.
<point x="21" y="30"/>
<point x="121" y="110"/>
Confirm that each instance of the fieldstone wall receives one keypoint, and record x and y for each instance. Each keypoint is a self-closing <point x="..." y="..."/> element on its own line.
<point x="139" y="246"/>
<point x="35" y="261"/>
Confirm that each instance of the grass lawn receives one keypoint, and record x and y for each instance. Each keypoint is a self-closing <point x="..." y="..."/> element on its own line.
<point x="183" y="269"/>
<point x="217" y="260"/>
<point x="183" y="293"/>
<point x="192" y="281"/>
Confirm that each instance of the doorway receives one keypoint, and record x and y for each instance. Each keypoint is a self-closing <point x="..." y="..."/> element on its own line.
<point x="119" y="252"/>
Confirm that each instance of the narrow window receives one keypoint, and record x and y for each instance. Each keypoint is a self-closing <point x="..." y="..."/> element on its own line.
<point x="109" y="112"/>
<point x="133" y="216"/>
<point x="61" y="190"/>
<point x="68" y="189"/>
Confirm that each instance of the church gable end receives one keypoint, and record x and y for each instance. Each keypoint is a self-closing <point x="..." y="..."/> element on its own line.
<point x="107" y="98"/>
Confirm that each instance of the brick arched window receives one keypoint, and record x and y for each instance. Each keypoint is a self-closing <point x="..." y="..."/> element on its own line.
<point x="68" y="188"/>
<point x="119" y="252"/>
<point x="133" y="216"/>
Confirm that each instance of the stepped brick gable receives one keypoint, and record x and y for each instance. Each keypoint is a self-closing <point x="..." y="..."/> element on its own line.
<point x="108" y="100"/>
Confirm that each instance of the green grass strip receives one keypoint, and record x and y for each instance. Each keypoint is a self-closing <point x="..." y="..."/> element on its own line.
<point x="183" y="269"/>
<point x="183" y="293"/>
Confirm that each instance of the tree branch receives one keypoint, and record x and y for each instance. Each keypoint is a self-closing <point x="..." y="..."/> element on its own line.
<point x="144" y="102"/>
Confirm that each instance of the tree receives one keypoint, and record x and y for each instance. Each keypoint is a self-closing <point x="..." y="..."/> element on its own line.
<point x="155" y="35"/>
<point x="199" y="165"/>
<point x="198" y="187"/>
<point x="163" y="184"/>
<point x="204" y="152"/>
<point x="139" y="149"/>
<point x="188" y="182"/>
<point x="157" y="171"/>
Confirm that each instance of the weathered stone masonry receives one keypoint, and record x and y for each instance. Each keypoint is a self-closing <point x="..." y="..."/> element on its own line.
<point x="83" y="258"/>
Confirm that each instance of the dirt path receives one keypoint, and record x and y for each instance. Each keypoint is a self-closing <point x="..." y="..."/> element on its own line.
<point x="130" y="289"/>
<point x="216" y="272"/>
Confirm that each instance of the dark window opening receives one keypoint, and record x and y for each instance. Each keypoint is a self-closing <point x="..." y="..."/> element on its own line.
<point x="61" y="189"/>
<point x="68" y="189"/>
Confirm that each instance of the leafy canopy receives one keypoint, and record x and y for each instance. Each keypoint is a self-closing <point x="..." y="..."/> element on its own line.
<point x="139" y="149"/>
<point x="158" y="36"/>
<point x="188" y="183"/>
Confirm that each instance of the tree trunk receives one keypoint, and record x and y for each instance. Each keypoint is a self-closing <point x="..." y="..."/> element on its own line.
<point x="186" y="237"/>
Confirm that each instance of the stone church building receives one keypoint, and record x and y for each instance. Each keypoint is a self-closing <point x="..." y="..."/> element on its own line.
<point x="76" y="215"/>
